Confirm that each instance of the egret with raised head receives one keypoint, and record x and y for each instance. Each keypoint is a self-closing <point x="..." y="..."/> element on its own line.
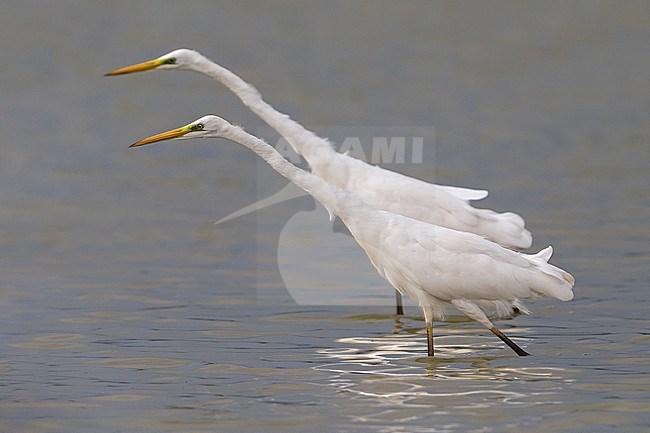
<point x="446" y="206"/>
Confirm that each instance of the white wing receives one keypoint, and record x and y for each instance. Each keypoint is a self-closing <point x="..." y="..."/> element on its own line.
<point x="400" y="194"/>
<point x="449" y="264"/>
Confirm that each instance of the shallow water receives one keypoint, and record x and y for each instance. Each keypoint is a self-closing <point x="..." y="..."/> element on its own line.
<point x="124" y="308"/>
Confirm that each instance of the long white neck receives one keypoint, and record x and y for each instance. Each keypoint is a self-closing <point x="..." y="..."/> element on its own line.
<point x="336" y="201"/>
<point x="303" y="141"/>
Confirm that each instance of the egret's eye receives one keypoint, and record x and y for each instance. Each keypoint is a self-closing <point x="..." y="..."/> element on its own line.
<point x="170" y="61"/>
<point x="198" y="127"/>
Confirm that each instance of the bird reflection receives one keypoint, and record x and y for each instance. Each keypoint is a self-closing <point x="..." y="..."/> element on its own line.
<point x="457" y="344"/>
<point x="473" y="353"/>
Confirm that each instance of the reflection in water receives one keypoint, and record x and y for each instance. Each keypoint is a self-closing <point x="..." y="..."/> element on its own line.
<point x="447" y="346"/>
<point x="395" y="373"/>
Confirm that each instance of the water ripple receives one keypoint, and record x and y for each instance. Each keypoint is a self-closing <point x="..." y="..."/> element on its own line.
<point x="391" y="371"/>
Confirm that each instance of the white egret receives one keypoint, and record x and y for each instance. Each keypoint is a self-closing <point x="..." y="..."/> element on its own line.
<point x="384" y="189"/>
<point x="436" y="266"/>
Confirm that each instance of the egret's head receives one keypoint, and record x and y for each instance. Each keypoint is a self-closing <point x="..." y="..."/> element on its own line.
<point x="205" y="127"/>
<point x="177" y="59"/>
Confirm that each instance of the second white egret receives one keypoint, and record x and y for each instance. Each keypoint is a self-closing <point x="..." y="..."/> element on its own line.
<point x="384" y="189"/>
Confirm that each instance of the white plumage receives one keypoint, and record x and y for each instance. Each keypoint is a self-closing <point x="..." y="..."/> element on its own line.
<point x="384" y="189"/>
<point x="446" y="206"/>
<point x="435" y="265"/>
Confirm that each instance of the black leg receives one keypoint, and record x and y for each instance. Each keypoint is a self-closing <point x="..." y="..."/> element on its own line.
<point x="398" y="302"/>
<point x="429" y="339"/>
<point x="509" y="342"/>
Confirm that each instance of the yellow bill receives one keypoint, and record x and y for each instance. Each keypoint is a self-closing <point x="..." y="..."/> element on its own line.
<point x="168" y="135"/>
<point x="138" y="67"/>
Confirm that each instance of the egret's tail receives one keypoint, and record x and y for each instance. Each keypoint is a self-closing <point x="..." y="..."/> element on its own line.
<point x="507" y="229"/>
<point x="560" y="285"/>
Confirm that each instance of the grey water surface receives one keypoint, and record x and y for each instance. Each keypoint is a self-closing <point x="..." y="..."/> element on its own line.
<point x="124" y="308"/>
